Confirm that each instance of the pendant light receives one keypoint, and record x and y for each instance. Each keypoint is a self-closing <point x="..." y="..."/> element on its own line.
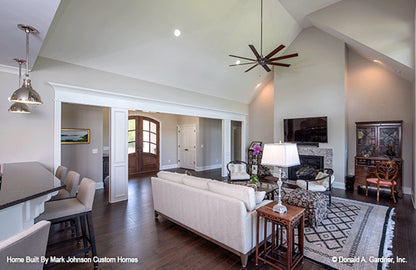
<point x="19" y="107"/>
<point x="26" y="94"/>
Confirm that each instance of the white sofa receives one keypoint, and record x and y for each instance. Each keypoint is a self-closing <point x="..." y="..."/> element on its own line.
<point x="218" y="211"/>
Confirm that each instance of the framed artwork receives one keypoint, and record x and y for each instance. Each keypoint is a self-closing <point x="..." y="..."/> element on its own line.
<point x="75" y="136"/>
<point x="253" y="143"/>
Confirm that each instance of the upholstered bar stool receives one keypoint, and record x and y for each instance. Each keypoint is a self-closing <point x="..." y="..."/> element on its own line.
<point x="72" y="184"/>
<point x="61" y="173"/>
<point x="79" y="207"/>
<point x="29" y="242"/>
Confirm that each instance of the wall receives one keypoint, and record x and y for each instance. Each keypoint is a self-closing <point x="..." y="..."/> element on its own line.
<point x="210" y="144"/>
<point x="236" y="131"/>
<point x="106" y="131"/>
<point x="168" y="137"/>
<point x="79" y="157"/>
<point x="261" y="117"/>
<point x="15" y="143"/>
<point x="375" y="94"/>
<point x="314" y="86"/>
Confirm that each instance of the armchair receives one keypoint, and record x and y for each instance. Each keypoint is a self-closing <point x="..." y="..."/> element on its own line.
<point x="319" y="182"/>
<point x="237" y="170"/>
<point x="385" y="175"/>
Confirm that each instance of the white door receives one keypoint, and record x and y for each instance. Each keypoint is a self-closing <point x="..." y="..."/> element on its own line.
<point x="186" y="146"/>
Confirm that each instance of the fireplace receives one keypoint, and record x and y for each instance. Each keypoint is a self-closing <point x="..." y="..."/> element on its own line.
<point x="316" y="162"/>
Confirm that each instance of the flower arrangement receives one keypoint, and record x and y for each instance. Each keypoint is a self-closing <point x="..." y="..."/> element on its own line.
<point x="256" y="149"/>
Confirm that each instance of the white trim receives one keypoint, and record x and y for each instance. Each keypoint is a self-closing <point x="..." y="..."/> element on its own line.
<point x="209" y="167"/>
<point x="88" y="96"/>
<point x="167" y="167"/>
<point x="413" y="200"/>
<point x="57" y="134"/>
<point x="9" y="69"/>
<point x="407" y="190"/>
<point x="338" y="185"/>
<point x="99" y="185"/>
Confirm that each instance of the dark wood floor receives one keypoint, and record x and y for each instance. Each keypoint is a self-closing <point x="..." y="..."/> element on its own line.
<point x="129" y="229"/>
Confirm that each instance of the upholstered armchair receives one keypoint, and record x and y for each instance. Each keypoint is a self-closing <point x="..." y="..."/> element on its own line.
<point x="320" y="182"/>
<point x="237" y="170"/>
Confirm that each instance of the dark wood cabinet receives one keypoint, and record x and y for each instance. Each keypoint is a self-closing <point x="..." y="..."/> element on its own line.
<point x="375" y="142"/>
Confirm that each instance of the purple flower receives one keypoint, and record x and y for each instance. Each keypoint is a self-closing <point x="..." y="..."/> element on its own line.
<point x="257" y="149"/>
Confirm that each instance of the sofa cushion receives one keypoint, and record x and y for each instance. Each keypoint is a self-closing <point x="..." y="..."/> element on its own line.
<point x="171" y="176"/>
<point x="196" y="182"/>
<point x="239" y="192"/>
<point x="239" y="176"/>
<point x="259" y="195"/>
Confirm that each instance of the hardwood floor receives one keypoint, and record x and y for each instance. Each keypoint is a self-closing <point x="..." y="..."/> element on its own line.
<point x="129" y="229"/>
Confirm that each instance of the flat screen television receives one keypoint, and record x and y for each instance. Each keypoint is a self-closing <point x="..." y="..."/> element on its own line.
<point x="306" y="130"/>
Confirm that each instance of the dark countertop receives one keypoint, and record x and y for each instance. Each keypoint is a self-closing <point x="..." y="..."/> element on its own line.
<point x="25" y="181"/>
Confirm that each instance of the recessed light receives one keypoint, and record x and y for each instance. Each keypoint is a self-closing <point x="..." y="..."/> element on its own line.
<point x="377" y="61"/>
<point x="177" y="32"/>
<point x="237" y="62"/>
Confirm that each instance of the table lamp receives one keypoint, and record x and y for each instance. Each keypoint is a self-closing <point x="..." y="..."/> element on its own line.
<point x="280" y="155"/>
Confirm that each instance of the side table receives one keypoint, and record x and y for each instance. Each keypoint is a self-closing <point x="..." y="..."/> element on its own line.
<point x="282" y="252"/>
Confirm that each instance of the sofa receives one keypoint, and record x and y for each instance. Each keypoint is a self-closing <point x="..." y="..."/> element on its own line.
<point x="218" y="211"/>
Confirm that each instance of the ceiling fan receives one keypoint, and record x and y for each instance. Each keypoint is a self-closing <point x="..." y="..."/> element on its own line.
<point x="261" y="60"/>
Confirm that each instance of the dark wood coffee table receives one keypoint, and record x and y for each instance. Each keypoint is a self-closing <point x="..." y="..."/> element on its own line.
<point x="281" y="253"/>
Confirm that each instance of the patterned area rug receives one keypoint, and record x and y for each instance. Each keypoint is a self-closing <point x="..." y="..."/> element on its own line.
<point x="355" y="235"/>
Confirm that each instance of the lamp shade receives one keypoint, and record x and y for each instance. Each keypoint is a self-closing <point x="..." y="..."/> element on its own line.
<point x="280" y="154"/>
<point x="26" y="94"/>
<point x="19" y="108"/>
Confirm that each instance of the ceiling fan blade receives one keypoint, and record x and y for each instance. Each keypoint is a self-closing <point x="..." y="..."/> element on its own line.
<point x="266" y="67"/>
<point x="284" y="57"/>
<point x="255" y="52"/>
<point x="280" y="64"/>
<point x="233" y="65"/>
<point x="278" y="49"/>
<point x="245" y="58"/>
<point x="252" y="67"/>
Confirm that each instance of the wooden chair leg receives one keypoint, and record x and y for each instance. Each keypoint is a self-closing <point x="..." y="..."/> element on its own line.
<point x="92" y="237"/>
<point x="392" y="193"/>
<point x="366" y="188"/>
<point x="84" y="232"/>
<point x="378" y="191"/>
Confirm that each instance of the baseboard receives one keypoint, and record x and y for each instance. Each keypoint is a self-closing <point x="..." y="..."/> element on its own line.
<point x="100" y="185"/>
<point x="338" y="185"/>
<point x="209" y="167"/>
<point x="407" y="190"/>
<point x="413" y="200"/>
<point x="169" y="166"/>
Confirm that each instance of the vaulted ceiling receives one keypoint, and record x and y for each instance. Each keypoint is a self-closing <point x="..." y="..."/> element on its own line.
<point x="135" y="37"/>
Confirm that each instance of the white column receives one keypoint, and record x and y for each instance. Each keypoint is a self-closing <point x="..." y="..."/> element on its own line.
<point x="118" y="155"/>
<point x="57" y="135"/>
<point x="226" y="145"/>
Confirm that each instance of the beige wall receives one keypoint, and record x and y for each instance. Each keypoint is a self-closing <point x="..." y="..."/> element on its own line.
<point x="80" y="157"/>
<point x="261" y="115"/>
<point x="106" y="131"/>
<point x="210" y="142"/>
<point x="30" y="137"/>
<point x="376" y="94"/>
<point x="314" y="86"/>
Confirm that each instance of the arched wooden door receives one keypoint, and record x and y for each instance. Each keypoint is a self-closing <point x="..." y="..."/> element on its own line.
<point x="143" y="145"/>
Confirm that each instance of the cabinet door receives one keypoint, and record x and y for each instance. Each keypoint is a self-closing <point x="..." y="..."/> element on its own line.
<point x="389" y="140"/>
<point x="366" y="141"/>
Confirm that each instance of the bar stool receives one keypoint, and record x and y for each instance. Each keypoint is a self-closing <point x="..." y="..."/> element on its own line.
<point x="72" y="184"/>
<point x="61" y="173"/>
<point x="69" y="209"/>
<point x="29" y="242"/>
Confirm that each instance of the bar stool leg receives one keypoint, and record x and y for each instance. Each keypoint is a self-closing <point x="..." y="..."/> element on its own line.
<point x="92" y="236"/>
<point x="84" y="232"/>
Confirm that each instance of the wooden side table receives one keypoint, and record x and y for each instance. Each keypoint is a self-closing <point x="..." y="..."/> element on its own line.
<point x="281" y="253"/>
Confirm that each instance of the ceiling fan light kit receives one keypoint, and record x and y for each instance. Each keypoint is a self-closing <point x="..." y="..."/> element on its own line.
<point x="261" y="60"/>
<point x="25" y="94"/>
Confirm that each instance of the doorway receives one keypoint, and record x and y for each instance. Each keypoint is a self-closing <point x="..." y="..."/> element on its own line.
<point x="236" y="140"/>
<point x="186" y="146"/>
<point x="143" y="145"/>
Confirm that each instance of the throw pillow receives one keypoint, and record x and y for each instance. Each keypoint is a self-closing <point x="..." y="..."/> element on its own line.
<point x="259" y="195"/>
<point x="324" y="179"/>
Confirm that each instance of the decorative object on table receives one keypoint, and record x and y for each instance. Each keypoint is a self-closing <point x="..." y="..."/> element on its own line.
<point x="376" y="142"/>
<point x="281" y="155"/>
<point x="254" y="180"/>
<point x="75" y="136"/>
<point x="19" y="107"/>
<point x="384" y="175"/>
<point x="254" y="157"/>
<point x="260" y="59"/>
<point x="26" y="94"/>
<point x="237" y="170"/>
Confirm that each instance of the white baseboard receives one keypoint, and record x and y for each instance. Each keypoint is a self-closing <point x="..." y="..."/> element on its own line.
<point x="407" y="190"/>
<point x="209" y="167"/>
<point x="100" y="185"/>
<point x="169" y="166"/>
<point x="338" y="185"/>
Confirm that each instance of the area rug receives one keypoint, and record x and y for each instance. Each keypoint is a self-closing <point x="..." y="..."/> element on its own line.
<point x="355" y="235"/>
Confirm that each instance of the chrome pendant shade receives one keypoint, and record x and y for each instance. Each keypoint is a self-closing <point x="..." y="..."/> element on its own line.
<point x="25" y="93"/>
<point x="19" y="108"/>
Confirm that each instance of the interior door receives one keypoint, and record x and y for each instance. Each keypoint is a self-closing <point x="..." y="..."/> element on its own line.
<point x="143" y="145"/>
<point x="186" y="146"/>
